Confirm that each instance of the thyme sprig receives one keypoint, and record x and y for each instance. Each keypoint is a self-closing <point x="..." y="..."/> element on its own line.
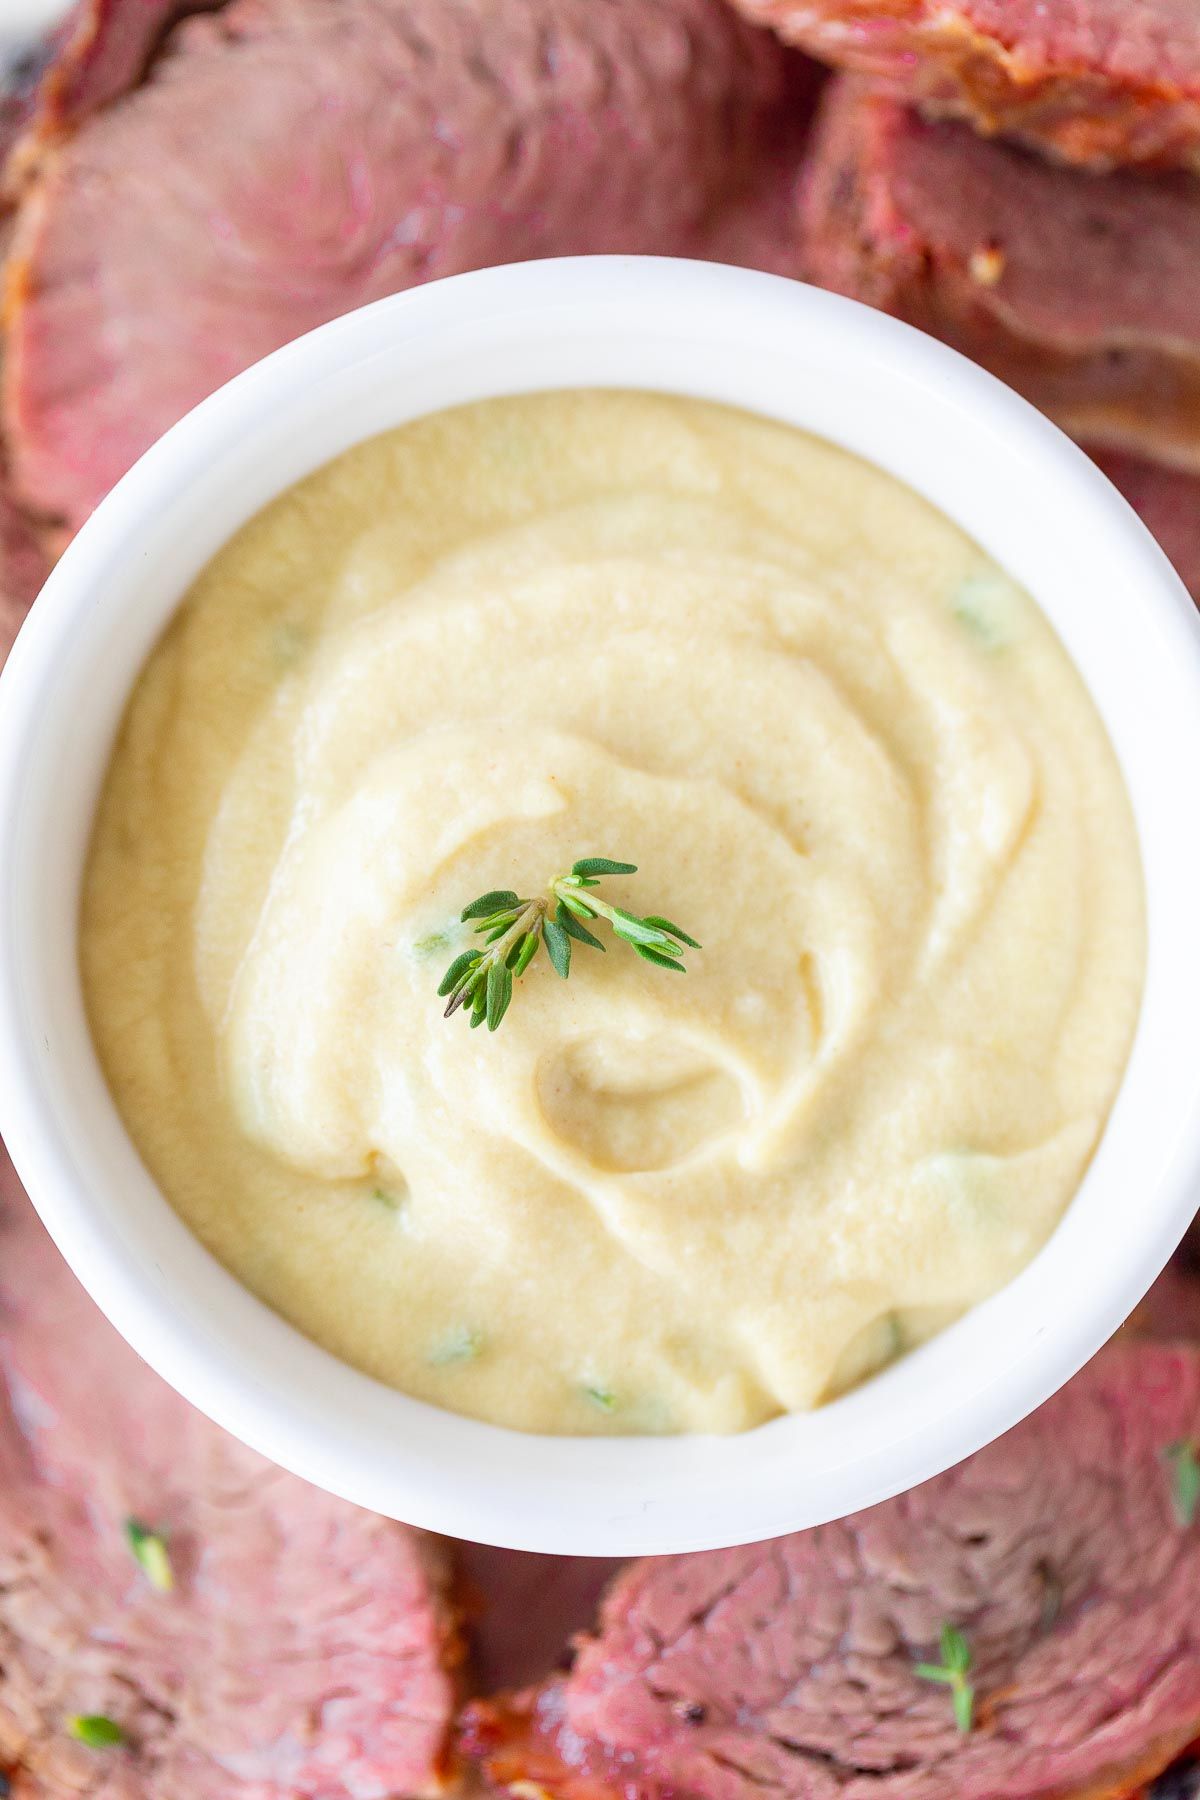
<point x="952" y="1673"/>
<point x="1183" y="1468"/>
<point x="150" y="1551"/>
<point x="513" y="929"/>
<point x="96" y="1731"/>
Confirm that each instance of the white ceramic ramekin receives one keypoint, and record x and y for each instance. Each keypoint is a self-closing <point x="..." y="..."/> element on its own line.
<point x="956" y="435"/>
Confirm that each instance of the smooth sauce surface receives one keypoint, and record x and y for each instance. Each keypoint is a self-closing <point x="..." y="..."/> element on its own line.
<point x="847" y="754"/>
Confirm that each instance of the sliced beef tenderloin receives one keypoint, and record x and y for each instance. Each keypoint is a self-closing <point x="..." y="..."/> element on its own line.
<point x="1169" y="503"/>
<point x="287" y="160"/>
<point x="1171" y="1310"/>
<point x="1077" y="289"/>
<point x="307" y="1650"/>
<point x="100" y="50"/>
<point x="522" y="1609"/>
<point x="103" y="49"/>
<point x="23" y="568"/>
<point x="788" y="1668"/>
<point x="1188" y="1253"/>
<point x="1097" y="82"/>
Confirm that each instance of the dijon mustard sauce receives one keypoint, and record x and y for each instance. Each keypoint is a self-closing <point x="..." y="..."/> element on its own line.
<point x="846" y="753"/>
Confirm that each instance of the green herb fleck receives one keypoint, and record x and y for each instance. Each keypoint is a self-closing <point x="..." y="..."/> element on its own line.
<point x="1183" y="1465"/>
<point x="432" y="942"/>
<point x="480" y="980"/>
<point x="602" y="1397"/>
<point x="150" y="1550"/>
<point x="290" y="642"/>
<point x="97" y="1732"/>
<point x="384" y="1199"/>
<point x="1052" y="1596"/>
<point x="983" y="606"/>
<point x="460" y="1346"/>
<point x="952" y="1673"/>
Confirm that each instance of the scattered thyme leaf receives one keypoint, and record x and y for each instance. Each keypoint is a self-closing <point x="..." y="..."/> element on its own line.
<point x="951" y="1672"/>
<point x="480" y="980"/>
<point x="1183" y="1464"/>
<point x="385" y="1199"/>
<point x="289" y="641"/>
<point x="602" y="1397"/>
<point x="97" y="1732"/>
<point x="983" y="607"/>
<point x="150" y="1550"/>
<point x="962" y="1698"/>
<point x="433" y="940"/>
<point x="462" y="1345"/>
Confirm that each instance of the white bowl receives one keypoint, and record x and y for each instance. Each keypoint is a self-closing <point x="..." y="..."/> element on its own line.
<point x="959" y="437"/>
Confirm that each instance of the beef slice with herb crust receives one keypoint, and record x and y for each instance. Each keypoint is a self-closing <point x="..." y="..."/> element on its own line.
<point x="789" y="1668"/>
<point x="1097" y="82"/>
<point x="307" y="1650"/>
<point x="1077" y="290"/>
<point x="287" y="160"/>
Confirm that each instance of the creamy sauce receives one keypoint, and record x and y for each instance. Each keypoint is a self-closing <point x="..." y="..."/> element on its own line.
<point x="847" y="754"/>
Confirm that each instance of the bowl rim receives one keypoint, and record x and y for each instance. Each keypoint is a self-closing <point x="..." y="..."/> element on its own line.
<point x="772" y="346"/>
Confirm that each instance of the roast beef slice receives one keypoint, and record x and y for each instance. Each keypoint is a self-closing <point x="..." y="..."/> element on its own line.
<point x="1077" y="289"/>
<point x="102" y="50"/>
<point x="1169" y="503"/>
<point x="788" y="1669"/>
<point x="308" y="1649"/>
<point x="287" y="160"/>
<point x="1093" y="82"/>
<point x="23" y="568"/>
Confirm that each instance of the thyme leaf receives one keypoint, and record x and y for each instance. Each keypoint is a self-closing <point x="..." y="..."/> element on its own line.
<point x="951" y="1672"/>
<point x="480" y="980"/>
<point x="150" y="1551"/>
<point x="1183" y="1465"/>
<point x="97" y="1732"/>
<point x="459" y="1346"/>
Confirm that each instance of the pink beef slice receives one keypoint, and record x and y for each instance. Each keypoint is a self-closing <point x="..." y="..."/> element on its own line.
<point x="1079" y="290"/>
<point x="99" y="51"/>
<point x="102" y="50"/>
<point x="1097" y="82"/>
<point x="787" y="1669"/>
<point x="1169" y="503"/>
<point x="1171" y="1310"/>
<point x="308" y="1650"/>
<point x="523" y="1608"/>
<point x="23" y="568"/>
<point x="287" y="160"/>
